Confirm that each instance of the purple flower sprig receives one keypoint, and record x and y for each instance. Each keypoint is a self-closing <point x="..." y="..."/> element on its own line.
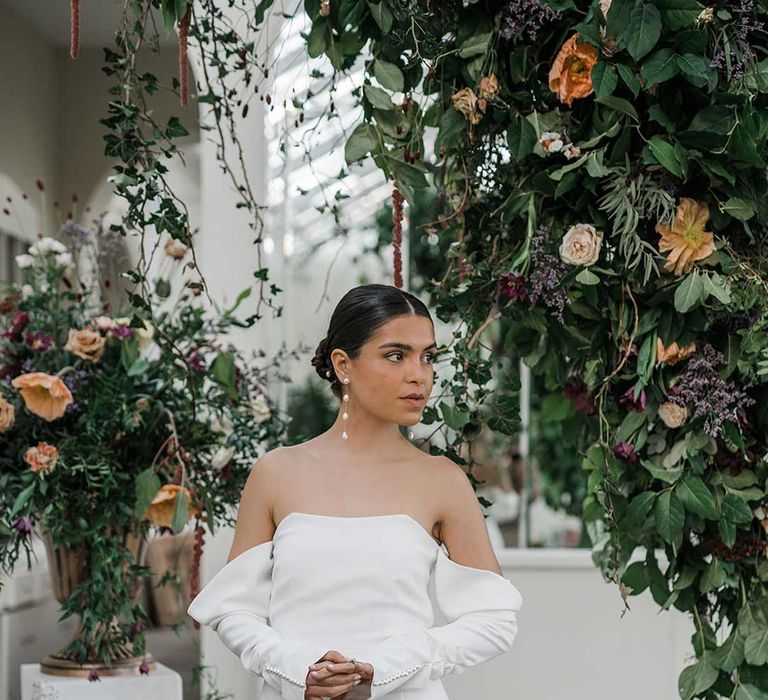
<point x="713" y="398"/>
<point x="546" y="276"/>
<point x="524" y="19"/>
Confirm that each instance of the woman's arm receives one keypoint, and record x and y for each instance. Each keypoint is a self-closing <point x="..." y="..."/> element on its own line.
<point x="479" y="604"/>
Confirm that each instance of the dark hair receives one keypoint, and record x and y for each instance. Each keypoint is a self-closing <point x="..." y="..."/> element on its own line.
<point x="356" y="318"/>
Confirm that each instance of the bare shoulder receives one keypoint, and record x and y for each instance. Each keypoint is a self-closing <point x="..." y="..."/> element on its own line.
<point x="449" y="477"/>
<point x="255" y="524"/>
<point x="462" y="524"/>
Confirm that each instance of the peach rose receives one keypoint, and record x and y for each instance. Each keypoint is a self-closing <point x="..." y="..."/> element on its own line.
<point x="7" y="415"/>
<point x="489" y="87"/>
<point x="672" y="415"/>
<point x="571" y="74"/>
<point x="160" y="511"/>
<point x="87" y="344"/>
<point x="45" y="395"/>
<point x="42" y="458"/>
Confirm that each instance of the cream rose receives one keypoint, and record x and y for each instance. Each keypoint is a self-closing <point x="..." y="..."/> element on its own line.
<point x="672" y="414"/>
<point x="581" y="245"/>
<point x="87" y="344"/>
<point x="7" y="415"/>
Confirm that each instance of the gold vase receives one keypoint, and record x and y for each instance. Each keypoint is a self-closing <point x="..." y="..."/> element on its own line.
<point x="68" y="568"/>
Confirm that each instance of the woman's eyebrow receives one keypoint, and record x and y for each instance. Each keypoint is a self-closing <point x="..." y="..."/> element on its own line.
<point x="405" y="346"/>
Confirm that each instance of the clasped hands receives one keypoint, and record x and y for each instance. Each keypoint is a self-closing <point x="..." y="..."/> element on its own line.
<point x="333" y="675"/>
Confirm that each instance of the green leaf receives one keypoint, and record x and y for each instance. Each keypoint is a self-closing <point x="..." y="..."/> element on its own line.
<point x="696" y="497"/>
<point x="693" y="64"/>
<point x="748" y="691"/>
<point x="661" y="66"/>
<point x="646" y="357"/>
<point x="678" y="14"/>
<point x="689" y="292"/>
<point x="629" y="78"/>
<point x="129" y="353"/>
<point x="667" y="154"/>
<point x="475" y="45"/>
<point x="738" y="209"/>
<point x="636" y="577"/>
<point x="318" y="38"/>
<point x="643" y="31"/>
<point x="713" y="576"/>
<point x="617" y="21"/>
<point x="378" y="98"/>
<point x="604" y="79"/>
<point x="727" y="531"/>
<point x="736" y="510"/>
<point x="714" y="285"/>
<point x="731" y="654"/>
<point x="756" y="648"/>
<point x="521" y="138"/>
<point x="669" y="516"/>
<point x="223" y="372"/>
<point x="586" y="276"/>
<point x="617" y="104"/>
<point x="382" y="15"/>
<point x="638" y="509"/>
<point x="668" y="475"/>
<point x="389" y="75"/>
<point x="22" y="499"/>
<point x="180" y="513"/>
<point x="453" y="417"/>
<point x="362" y="141"/>
<point x="147" y="486"/>
<point x="695" y="679"/>
<point x="175" y="128"/>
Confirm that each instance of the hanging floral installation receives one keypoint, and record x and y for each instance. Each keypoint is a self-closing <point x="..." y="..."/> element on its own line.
<point x="601" y="167"/>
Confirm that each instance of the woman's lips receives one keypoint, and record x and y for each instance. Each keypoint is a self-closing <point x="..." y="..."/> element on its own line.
<point x="413" y="402"/>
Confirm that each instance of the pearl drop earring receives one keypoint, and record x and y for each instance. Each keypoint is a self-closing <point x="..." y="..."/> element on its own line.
<point x="345" y="415"/>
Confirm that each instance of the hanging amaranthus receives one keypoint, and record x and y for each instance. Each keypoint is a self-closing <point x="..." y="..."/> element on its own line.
<point x="397" y="238"/>
<point x="74" y="28"/>
<point x="183" y="71"/>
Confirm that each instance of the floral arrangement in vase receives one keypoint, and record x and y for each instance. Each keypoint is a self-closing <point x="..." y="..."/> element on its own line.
<point x="114" y="426"/>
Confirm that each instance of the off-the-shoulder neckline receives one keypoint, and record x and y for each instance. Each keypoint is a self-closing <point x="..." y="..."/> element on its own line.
<point x="410" y="518"/>
<point x="416" y="523"/>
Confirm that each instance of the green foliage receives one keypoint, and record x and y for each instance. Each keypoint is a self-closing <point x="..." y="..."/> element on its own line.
<point x="673" y="118"/>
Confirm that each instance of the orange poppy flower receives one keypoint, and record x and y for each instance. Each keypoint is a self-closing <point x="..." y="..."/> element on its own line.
<point x="673" y="353"/>
<point x="45" y="395"/>
<point x="686" y="238"/>
<point x="160" y="511"/>
<point x="571" y="74"/>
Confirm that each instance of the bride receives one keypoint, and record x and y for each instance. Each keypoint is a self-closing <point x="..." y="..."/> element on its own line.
<point x="326" y="590"/>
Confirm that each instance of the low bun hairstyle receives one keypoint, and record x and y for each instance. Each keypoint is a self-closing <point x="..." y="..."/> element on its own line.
<point x="356" y="318"/>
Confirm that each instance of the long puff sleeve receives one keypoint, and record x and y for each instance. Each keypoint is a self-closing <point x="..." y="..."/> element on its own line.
<point x="480" y="608"/>
<point x="235" y="604"/>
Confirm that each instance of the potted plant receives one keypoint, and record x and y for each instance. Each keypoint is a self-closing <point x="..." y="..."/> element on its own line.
<point x="114" y="427"/>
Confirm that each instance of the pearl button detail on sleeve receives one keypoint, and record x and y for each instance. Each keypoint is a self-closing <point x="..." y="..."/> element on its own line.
<point x="280" y="673"/>
<point x="402" y="674"/>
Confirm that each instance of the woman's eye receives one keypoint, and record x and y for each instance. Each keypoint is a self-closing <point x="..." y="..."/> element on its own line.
<point x="429" y="355"/>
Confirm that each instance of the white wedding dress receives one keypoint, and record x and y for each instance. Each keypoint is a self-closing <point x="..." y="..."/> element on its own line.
<point x="359" y="585"/>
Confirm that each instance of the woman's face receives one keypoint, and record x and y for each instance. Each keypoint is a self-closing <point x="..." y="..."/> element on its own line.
<point x="395" y="362"/>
